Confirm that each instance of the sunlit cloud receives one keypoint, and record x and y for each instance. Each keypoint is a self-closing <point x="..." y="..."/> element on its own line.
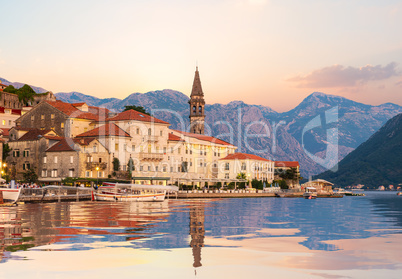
<point x="341" y="76"/>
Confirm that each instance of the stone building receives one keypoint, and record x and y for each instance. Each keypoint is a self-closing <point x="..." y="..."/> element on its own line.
<point x="282" y="167"/>
<point x="75" y="158"/>
<point x="28" y="149"/>
<point x="64" y="118"/>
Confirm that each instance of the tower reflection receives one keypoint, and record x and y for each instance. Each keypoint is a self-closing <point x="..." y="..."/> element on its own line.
<point x="197" y="232"/>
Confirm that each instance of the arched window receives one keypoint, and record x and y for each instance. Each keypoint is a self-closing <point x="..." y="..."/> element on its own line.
<point x="194" y="109"/>
<point x="149" y="131"/>
<point x="200" y="109"/>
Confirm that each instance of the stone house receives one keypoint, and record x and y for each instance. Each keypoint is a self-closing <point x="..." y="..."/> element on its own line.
<point x="28" y="148"/>
<point x="75" y="158"/>
<point x="282" y="167"/>
<point x="64" y="118"/>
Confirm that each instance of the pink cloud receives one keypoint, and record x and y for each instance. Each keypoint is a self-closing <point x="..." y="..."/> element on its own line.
<point x="340" y="76"/>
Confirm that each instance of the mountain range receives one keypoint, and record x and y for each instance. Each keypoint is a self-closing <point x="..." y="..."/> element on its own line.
<point x="286" y="134"/>
<point x="375" y="162"/>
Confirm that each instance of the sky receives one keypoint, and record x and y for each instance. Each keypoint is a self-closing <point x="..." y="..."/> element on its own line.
<point x="266" y="52"/>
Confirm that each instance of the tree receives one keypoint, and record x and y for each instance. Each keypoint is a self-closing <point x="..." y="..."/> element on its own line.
<point x="6" y="151"/>
<point x="241" y="175"/>
<point x="137" y="108"/>
<point x="116" y="164"/>
<point x="257" y="184"/>
<point x="130" y="166"/>
<point x="26" y="94"/>
<point x="30" y="176"/>
<point x="10" y="89"/>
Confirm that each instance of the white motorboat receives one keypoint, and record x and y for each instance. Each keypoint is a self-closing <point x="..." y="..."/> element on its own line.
<point x="132" y="192"/>
<point x="310" y="193"/>
<point x="10" y="195"/>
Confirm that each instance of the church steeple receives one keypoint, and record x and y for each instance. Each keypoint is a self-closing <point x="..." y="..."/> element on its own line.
<point x="197" y="104"/>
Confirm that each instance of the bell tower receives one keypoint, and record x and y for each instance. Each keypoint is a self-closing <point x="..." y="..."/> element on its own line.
<point x="197" y="104"/>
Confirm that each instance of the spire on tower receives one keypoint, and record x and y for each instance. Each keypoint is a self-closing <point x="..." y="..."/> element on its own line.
<point x="197" y="89"/>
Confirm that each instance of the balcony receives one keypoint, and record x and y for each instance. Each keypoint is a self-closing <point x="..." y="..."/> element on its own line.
<point x="151" y="156"/>
<point x="150" y="138"/>
<point x="94" y="165"/>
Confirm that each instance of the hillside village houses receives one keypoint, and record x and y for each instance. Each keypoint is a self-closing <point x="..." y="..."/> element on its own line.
<point x="60" y="140"/>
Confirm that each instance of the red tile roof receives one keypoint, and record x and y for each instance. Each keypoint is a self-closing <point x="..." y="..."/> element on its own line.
<point x="109" y="129"/>
<point x="286" y="164"/>
<point x="174" y="137"/>
<point x="78" y="104"/>
<point x="72" y="111"/>
<point x="244" y="156"/>
<point x="137" y="116"/>
<point x="5" y="132"/>
<point x="83" y="141"/>
<point x="63" y="145"/>
<point x="33" y="134"/>
<point x="204" y="138"/>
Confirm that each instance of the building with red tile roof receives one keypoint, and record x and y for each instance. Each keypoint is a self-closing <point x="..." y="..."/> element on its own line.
<point x="287" y="164"/>
<point x="253" y="167"/>
<point x="106" y="130"/>
<point x="136" y="116"/>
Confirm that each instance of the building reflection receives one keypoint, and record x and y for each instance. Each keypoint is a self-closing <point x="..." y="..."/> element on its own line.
<point x="33" y="225"/>
<point x="197" y="232"/>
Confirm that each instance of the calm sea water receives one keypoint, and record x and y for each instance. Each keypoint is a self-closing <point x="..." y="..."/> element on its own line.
<point x="352" y="237"/>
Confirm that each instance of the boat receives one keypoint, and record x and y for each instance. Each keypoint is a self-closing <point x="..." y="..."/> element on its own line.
<point x="399" y="194"/>
<point x="10" y="195"/>
<point x="132" y="192"/>
<point x="310" y="193"/>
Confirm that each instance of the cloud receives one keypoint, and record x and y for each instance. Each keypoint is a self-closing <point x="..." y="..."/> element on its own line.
<point x="340" y="76"/>
<point x="399" y="83"/>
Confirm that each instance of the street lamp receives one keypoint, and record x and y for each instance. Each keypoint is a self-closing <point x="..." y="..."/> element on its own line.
<point x="97" y="176"/>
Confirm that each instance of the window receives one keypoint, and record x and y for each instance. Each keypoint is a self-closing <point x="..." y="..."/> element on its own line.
<point x="116" y="146"/>
<point x="42" y="117"/>
<point x="44" y="173"/>
<point x="62" y="125"/>
<point x="149" y="168"/>
<point x="200" y="109"/>
<point x="32" y="117"/>
<point x="71" y="160"/>
<point x="171" y="169"/>
<point x="25" y="153"/>
<point x="124" y="167"/>
<point x="16" y="153"/>
<point x="44" y="160"/>
<point x="133" y="148"/>
<point x="3" y="122"/>
<point x="55" y="159"/>
<point x="227" y="166"/>
<point x="141" y="168"/>
<point x="52" y="116"/>
<point x="87" y="174"/>
<point x="160" y="133"/>
<point x="100" y="160"/>
<point x="149" y="132"/>
<point x="94" y="149"/>
<point x="164" y="169"/>
<point x="138" y="131"/>
<point x="194" y="109"/>
<point x="243" y="166"/>
<point x="9" y="122"/>
<point x="164" y="150"/>
<point x="71" y="172"/>
<point x="156" y="168"/>
<point x="179" y="151"/>
<point x="226" y="176"/>
<point x="54" y="173"/>
<point x="171" y="150"/>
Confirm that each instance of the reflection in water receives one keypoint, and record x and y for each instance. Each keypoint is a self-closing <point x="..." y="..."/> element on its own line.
<point x="323" y="234"/>
<point x="197" y="232"/>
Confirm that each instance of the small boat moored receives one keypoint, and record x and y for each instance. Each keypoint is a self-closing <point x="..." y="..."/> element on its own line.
<point x="310" y="193"/>
<point x="10" y="195"/>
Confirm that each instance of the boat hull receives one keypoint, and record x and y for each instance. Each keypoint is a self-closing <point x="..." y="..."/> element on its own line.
<point x="10" y="195"/>
<point x="157" y="197"/>
<point x="309" y="195"/>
